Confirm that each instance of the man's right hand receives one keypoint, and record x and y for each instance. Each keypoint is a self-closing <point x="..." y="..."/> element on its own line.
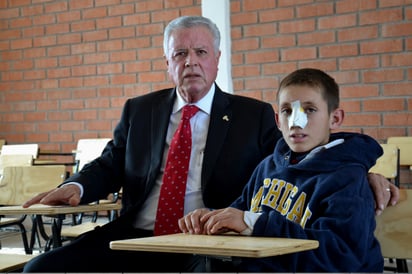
<point x="65" y="195"/>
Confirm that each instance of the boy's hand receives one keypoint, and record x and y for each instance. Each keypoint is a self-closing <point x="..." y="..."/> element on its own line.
<point x="192" y="223"/>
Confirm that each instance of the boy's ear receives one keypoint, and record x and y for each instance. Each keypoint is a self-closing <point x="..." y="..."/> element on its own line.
<point x="277" y="119"/>
<point x="336" y="118"/>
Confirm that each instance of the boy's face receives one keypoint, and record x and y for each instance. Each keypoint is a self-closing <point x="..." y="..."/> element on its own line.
<point x="319" y="122"/>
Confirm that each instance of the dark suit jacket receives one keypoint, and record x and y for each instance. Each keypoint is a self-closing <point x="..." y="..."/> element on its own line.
<point x="132" y="160"/>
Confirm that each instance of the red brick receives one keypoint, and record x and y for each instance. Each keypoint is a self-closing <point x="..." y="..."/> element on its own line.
<point x="109" y="22"/>
<point x="361" y="119"/>
<point x="315" y="10"/>
<point x="122" y="33"/>
<point x="398" y="119"/>
<point x="385" y="75"/>
<point x="83" y="115"/>
<point x="386" y="46"/>
<point x="293" y="54"/>
<point x="246" y="44"/>
<point x="296" y="26"/>
<point x="70" y="16"/>
<point x="358" y="33"/>
<point x="279" y="14"/>
<point x="384" y="105"/>
<point x="100" y="12"/>
<point x="97" y="35"/>
<point x="121" y="9"/>
<point x="359" y="62"/>
<point x="345" y="6"/>
<point x="337" y="21"/>
<point x="316" y="38"/>
<point x="123" y="56"/>
<point x="338" y="50"/>
<point x="380" y="16"/>
<point x="259" y="30"/>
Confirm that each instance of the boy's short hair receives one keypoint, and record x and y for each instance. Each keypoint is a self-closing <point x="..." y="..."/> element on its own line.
<point x="314" y="78"/>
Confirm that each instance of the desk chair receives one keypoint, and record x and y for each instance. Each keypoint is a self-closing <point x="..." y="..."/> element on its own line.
<point x="404" y="144"/>
<point x="388" y="164"/>
<point x="14" y="262"/>
<point x="6" y="222"/>
<point x="15" y="160"/>
<point x="20" y="183"/>
<point x="86" y="151"/>
<point x="393" y="230"/>
<point x="19" y="149"/>
<point x="2" y="142"/>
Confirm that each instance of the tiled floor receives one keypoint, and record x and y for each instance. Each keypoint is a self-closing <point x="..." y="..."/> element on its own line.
<point x="10" y="240"/>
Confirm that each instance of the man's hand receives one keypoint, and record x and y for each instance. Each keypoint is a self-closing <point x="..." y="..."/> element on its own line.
<point x="65" y="195"/>
<point x="385" y="192"/>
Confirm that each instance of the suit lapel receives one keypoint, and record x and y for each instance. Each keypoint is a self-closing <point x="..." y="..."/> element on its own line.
<point x="220" y="118"/>
<point x="159" y="121"/>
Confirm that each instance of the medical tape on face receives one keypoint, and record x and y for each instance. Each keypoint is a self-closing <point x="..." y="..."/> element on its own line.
<point x="298" y="118"/>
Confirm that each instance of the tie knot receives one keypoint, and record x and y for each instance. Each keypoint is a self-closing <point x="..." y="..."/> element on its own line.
<point x="189" y="111"/>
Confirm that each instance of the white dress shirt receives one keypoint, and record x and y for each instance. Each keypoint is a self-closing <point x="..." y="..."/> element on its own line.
<point x="193" y="198"/>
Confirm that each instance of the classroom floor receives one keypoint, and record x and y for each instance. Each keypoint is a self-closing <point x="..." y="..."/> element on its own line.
<point x="11" y="243"/>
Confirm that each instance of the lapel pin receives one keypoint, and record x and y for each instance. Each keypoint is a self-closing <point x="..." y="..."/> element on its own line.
<point x="225" y="118"/>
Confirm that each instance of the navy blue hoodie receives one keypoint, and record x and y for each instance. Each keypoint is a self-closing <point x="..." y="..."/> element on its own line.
<point x="325" y="197"/>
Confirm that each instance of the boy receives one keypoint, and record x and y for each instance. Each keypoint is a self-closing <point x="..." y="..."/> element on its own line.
<point x="314" y="186"/>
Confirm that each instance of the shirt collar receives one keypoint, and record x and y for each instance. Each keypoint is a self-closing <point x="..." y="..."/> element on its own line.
<point x="204" y="104"/>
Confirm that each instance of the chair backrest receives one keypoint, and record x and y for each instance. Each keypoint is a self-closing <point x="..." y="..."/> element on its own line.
<point x="20" y="183"/>
<point x="2" y="143"/>
<point x="404" y="144"/>
<point x="32" y="149"/>
<point x="15" y="160"/>
<point x="388" y="164"/>
<point x="89" y="149"/>
<point x="394" y="228"/>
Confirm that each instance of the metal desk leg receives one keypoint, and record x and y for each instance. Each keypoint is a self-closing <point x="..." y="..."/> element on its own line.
<point x="56" y="230"/>
<point x="55" y="238"/>
<point x="38" y="224"/>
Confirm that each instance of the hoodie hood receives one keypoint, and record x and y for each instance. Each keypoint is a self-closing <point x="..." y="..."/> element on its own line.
<point x="359" y="148"/>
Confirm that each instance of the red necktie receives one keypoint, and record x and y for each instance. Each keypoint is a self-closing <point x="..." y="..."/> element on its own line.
<point x="173" y="189"/>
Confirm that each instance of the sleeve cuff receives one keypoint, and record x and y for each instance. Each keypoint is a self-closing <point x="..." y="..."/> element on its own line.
<point x="77" y="184"/>
<point x="250" y="219"/>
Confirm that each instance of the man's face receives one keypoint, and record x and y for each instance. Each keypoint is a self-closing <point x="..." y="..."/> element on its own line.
<point x="192" y="62"/>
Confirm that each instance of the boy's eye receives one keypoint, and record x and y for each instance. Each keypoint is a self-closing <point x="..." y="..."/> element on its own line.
<point x="286" y="111"/>
<point x="310" y="110"/>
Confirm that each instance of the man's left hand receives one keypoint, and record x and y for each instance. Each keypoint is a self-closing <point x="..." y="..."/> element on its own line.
<point x="385" y="192"/>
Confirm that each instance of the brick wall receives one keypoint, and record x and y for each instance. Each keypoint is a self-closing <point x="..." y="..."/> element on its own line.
<point x="67" y="66"/>
<point x="366" y="45"/>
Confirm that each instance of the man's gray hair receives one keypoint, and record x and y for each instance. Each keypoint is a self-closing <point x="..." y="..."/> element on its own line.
<point x="190" y="22"/>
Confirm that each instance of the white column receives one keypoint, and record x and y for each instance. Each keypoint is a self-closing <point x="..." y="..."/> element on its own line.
<point x="219" y="12"/>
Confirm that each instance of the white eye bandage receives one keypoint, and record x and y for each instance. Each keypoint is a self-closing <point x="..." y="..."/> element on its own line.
<point x="298" y="118"/>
